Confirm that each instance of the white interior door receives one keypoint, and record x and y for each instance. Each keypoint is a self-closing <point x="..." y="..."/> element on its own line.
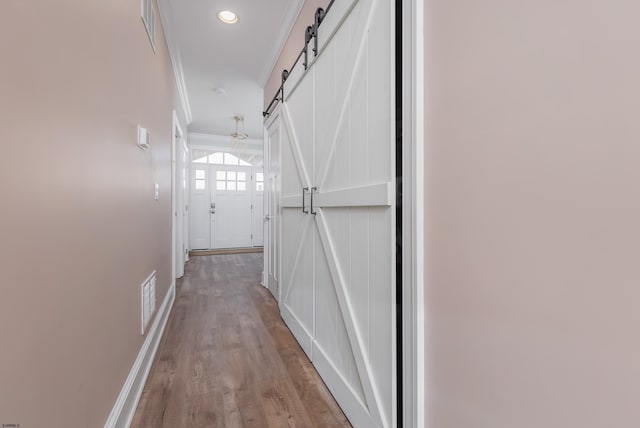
<point x="272" y="204"/>
<point x="199" y="216"/>
<point x="185" y="201"/>
<point x="180" y="213"/>
<point x="230" y="206"/>
<point x="338" y="221"/>
<point x="257" y="206"/>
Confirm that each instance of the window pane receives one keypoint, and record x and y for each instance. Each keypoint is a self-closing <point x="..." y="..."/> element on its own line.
<point x="260" y="186"/>
<point x="242" y="185"/>
<point x="243" y="163"/>
<point x="231" y="175"/>
<point x="259" y="176"/>
<point x="200" y="174"/>
<point x="200" y="160"/>
<point x="220" y="185"/>
<point x="216" y="158"/>
<point x="220" y="175"/>
<point x="200" y="184"/>
<point x="242" y="176"/>
<point x="231" y="185"/>
<point x="230" y="159"/>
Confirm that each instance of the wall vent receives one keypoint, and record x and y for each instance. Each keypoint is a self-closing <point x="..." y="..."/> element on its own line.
<point x="149" y="20"/>
<point x="148" y="300"/>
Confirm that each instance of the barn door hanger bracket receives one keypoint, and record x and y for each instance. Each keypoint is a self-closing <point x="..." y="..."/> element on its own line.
<point x="308" y="35"/>
<point x="284" y="76"/>
<point x="312" y="33"/>
<point x="318" y="18"/>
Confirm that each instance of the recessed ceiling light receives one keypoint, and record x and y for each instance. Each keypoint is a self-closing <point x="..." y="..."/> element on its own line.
<point x="227" y="17"/>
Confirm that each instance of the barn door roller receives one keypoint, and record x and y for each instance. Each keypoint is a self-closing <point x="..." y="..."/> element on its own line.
<point x="312" y="33"/>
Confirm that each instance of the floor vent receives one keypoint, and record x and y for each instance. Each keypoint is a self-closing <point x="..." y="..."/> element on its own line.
<point x="148" y="300"/>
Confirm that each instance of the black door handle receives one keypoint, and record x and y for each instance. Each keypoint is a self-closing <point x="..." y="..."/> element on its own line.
<point x="304" y="191"/>
<point x="313" y="189"/>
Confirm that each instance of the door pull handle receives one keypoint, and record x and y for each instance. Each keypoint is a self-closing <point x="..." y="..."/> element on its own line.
<point x="313" y="190"/>
<point x="304" y="191"/>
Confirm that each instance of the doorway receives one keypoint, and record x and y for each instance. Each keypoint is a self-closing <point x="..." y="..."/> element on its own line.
<point x="226" y="194"/>
<point x="179" y="198"/>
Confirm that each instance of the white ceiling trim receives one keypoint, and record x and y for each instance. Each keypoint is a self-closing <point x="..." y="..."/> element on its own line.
<point x="220" y="141"/>
<point x="294" y="9"/>
<point x="256" y="152"/>
<point x="174" y="54"/>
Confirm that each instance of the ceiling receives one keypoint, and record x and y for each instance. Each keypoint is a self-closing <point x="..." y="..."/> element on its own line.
<point x="237" y="57"/>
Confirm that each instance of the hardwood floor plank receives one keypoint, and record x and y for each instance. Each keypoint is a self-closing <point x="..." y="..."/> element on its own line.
<point x="228" y="360"/>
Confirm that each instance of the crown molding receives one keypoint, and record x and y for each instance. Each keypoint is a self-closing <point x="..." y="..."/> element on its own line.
<point x="293" y="11"/>
<point x="164" y="7"/>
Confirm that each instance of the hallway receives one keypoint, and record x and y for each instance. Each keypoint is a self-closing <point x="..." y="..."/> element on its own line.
<point x="226" y="358"/>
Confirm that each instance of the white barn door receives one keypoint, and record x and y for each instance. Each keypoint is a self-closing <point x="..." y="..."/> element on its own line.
<point x="338" y="246"/>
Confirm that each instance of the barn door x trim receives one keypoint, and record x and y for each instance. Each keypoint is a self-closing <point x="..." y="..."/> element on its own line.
<point x="371" y="195"/>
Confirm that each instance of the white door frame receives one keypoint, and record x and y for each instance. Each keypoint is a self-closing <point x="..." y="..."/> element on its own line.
<point x="176" y="134"/>
<point x="186" y="199"/>
<point x="413" y="317"/>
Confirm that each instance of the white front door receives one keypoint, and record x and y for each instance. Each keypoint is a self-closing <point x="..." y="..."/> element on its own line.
<point x="230" y="206"/>
<point x="272" y="205"/>
<point x="257" y="206"/>
<point x="338" y="222"/>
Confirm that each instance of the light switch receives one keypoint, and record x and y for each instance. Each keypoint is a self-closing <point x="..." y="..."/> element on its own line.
<point x="156" y="194"/>
<point x="144" y="139"/>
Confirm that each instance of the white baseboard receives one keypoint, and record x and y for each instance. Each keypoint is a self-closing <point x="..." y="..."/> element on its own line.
<point x="127" y="402"/>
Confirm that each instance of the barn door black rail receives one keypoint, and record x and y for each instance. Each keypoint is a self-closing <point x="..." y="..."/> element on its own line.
<point x="311" y="33"/>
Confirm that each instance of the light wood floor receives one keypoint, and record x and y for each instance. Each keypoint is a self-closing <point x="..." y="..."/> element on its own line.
<point x="227" y="359"/>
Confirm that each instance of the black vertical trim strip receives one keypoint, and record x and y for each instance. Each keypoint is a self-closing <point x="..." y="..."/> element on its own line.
<point x="399" y="284"/>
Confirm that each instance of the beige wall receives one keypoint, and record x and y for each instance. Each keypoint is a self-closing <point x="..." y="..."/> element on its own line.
<point x="292" y="47"/>
<point x="533" y="213"/>
<point x="79" y="227"/>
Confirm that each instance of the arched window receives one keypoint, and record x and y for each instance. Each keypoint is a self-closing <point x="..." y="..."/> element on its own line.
<point x="224" y="158"/>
